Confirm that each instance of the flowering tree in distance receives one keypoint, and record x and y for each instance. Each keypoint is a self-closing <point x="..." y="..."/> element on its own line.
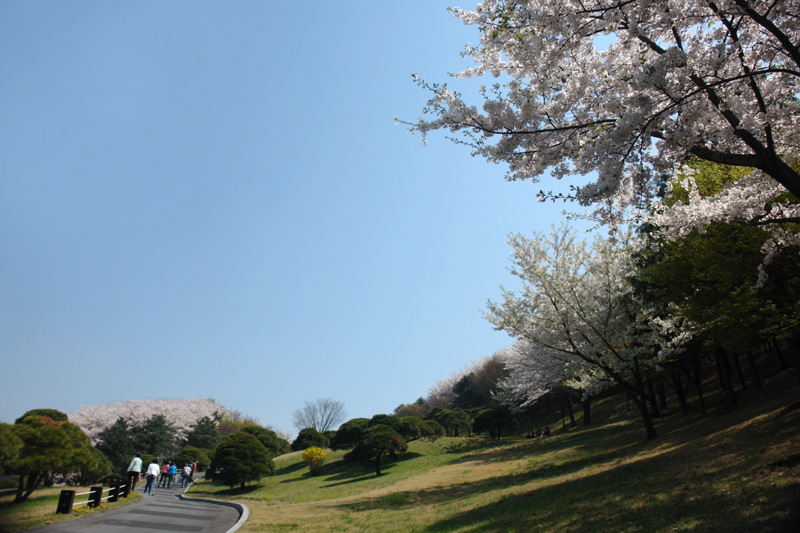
<point x="718" y="79"/>
<point x="577" y="303"/>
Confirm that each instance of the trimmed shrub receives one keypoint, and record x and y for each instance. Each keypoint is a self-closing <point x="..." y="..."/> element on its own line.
<point x="309" y="437"/>
<point x="240" y="458"/>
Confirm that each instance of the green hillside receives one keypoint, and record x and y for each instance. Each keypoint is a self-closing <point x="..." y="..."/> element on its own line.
<point x="735" y="470"/>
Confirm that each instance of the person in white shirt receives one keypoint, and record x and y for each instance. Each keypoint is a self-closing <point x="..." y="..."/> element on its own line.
<point x="134" y="471"/>
<point x="152" y="475"/>
<point x="186" y="477"/>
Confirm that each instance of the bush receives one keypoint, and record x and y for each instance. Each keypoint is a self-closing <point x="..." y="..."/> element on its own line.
<point x="240" y="458"/>
<point x="315" y="457"/>
<point x="349" y="434"/>
<point x="189" y="454"/>
<point x="271" y="441"/>
<point x="309" y="437"/>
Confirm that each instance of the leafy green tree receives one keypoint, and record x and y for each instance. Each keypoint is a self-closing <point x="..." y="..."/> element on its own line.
<point x="10" y="446"/>
<point x="349" y="434"/>
<point x="493" y="421"/>
<point x="379" y="441"/>
<point x="204" y="434"/>
<point x="50" y="447"/>
<point x="431" y="429"/>
<point x="452" y="420"/>
<point x="156" y="436"/>
<point x="52" y="414"/>
<point x="117" y="442"/>
<point x="276" y="445"/>
<point x="240" y="458"/>
<point x="466" y="393"/>
<point x="310" y="437"/>
<point x="189" y="454"/>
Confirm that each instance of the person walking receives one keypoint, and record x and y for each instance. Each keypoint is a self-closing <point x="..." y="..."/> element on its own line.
<point x="162" y="481"/>
<point x="152" y="475"/>
<point x="171" y="475"/>
<point x="186" y="475"/>
<point x="134" y="471"/>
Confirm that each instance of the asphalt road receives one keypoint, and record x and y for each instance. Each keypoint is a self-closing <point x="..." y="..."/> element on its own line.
<point x="164" y="511"/>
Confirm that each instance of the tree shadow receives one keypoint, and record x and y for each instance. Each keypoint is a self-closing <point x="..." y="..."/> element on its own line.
<point x="232" y="491"/>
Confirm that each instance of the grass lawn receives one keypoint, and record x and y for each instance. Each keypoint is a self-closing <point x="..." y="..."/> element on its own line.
<point x="40" y="508"/>
<point x="730" y="470"/>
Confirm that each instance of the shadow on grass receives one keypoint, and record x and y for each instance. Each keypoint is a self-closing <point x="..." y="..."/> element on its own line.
<point x="233" y="491"/>
<point x="294" y="467"/>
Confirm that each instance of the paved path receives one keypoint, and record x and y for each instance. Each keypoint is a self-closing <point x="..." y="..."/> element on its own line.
<point x="164" y="511"/>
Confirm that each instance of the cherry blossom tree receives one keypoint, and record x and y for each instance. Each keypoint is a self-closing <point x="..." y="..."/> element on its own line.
<point x="714" y="78"/>
<point x="533" y="372"/>
<point x="578" y="303"/>
<point x="181" y="415"/>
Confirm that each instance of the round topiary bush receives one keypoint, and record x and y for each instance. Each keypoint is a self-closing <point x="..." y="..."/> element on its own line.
<point x="309" y="437"/>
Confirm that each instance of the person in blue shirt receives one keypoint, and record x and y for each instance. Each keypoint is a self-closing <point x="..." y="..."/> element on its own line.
<point x="172" y="471"/>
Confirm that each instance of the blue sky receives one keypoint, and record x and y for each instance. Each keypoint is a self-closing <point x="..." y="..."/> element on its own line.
<point x="211" y="199"/>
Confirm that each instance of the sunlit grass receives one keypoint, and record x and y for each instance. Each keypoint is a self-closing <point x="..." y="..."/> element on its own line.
<point x="704" y="474"/>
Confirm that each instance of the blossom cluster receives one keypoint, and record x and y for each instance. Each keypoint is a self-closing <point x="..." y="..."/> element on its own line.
<point x="716" y="79"/>
<point x="180" y="414"/>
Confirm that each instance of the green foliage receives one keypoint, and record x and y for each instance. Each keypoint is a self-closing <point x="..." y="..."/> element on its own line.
<point x="349" y="434"/>
<point x="156" y="436"/>
<point x="189" y="454"/>
<point x="204" y="434"/>
<point x="709" y="177"/>
<point x="276" y="445"/>
<point x="310" y="437"/>
<point x="431" y="429"/>
<point x="379" y="441"/>
<point x="10" y="446"/>
<point x="452" y="420"/>
<point x="240" y="458"/>
<point x="117" y="443"/>
<point x="467" y="394"/>
<point x="52" y="414"/>
<point x="49" y="447"/>
<point x="493" y="421"/>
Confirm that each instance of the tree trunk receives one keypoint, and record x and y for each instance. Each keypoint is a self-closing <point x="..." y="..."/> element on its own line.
<point x="651" y="397"/>
<point x="751" y="362"/>
<point x="20" y="488"/>
<point x="739" y="370"/>
<point x="724" y="371"/>
<point x="378" y="465"/>
<point x="662" y="394"/>
<point x="698" y="383"/>
<point x="677" y="383"/>
<point x="776" y="347"/>
<point x="563" y="424"/>
<point x="587" y="411"/>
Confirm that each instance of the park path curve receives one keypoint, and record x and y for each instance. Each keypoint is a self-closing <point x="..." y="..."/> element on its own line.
<point x="166" y="510"/>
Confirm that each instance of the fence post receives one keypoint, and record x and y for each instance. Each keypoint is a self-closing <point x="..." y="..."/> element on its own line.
<point x="113" y="495"/>
<point x="126" y="488"/>
<point x="65" y="502"/>
<point x="96" y="496"/>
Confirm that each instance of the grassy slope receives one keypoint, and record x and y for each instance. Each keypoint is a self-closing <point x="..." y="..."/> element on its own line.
<point x="707" y="473"/>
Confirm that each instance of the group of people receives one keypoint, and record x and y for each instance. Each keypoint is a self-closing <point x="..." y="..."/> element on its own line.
<point x="167" y="474"/>
<point x="538" y="433"/>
